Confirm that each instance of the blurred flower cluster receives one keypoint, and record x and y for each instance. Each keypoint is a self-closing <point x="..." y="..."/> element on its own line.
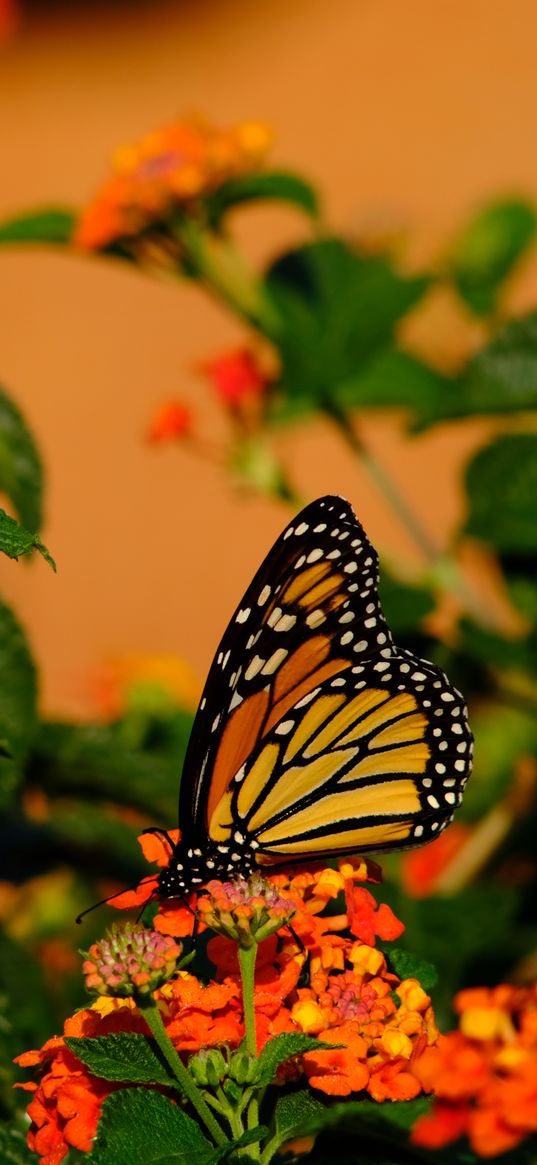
<point x="168" y="169"/>
<point x="484" y="1075"/>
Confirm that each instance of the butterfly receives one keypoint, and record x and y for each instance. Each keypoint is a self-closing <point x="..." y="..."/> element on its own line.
<point x="315" y="735"/>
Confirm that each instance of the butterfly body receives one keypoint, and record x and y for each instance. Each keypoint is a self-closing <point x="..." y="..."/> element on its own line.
<point x="315" y="734"/>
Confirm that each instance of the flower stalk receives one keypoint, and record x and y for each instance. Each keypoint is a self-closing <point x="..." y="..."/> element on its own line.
<point x="153" y="1018"/>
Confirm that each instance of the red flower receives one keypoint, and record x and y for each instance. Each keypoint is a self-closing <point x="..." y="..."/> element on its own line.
<point x="171" y="421"/>
<point x="367" y="919"/>
<point x="235" y="375"/>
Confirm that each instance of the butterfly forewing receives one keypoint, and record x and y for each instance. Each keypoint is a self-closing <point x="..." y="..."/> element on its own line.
<point x="312" y="605"/>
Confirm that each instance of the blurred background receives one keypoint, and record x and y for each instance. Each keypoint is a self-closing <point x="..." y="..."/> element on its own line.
<point x="408" y="117"/>
<point x="351" y="310"/>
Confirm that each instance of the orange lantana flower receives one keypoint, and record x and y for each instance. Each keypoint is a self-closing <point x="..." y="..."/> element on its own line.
<point x="166" y="170"/>
<point x="339" y="1071"/>
<point x="484" y="1075"/>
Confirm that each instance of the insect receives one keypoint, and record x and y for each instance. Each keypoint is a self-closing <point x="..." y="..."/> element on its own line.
<point x="315" y="734"/>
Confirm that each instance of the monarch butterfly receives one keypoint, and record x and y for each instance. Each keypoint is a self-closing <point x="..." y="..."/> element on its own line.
<point x="315" y="734"/>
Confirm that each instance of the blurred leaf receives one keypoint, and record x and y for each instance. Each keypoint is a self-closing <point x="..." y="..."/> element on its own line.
<point x="404" y="605"/>
<point x="16" y="540"/>
<point x="501" y="378"/>
<point x="92" y="760"/>
<point x="13" y="1147"/>
<point x="277" y="186"/>
<point x="408" y="966"/>
<point x="92" y="836"/>
<point x="488" y="937"/>
<point x="488" y="250"/>
<point x="21" y="474"/>
<point x="520" y="574"/>
<point x="25" y="1016"/>
<point x="396" y="379"/>
<point x="502" y="735"/>
<point x="54" y="225"/>
<point x="498" y="651"/>
<point x="123" y="1056"/>
<point x="18" y="692"/>
<point x="338" y="309"/>
<point x="501" y="483"/>
<point x="138" y="1124"/>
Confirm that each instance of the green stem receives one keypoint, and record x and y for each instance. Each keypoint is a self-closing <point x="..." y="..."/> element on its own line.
<point x="233" y="1115"/>
<point x="153" y="1019"/>
<point x="222" y="269"/>
<point x="387" y="487"/>
<point x="247" y="958"/>
<point x="445" y="567"/>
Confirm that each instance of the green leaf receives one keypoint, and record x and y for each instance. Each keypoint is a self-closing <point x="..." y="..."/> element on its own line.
<point x="501" y="482"/>
<point x="395" y="379"/>
<point x="21" y="474"/>
<point x="404" y="605"/>
<point x="138" y="1124"/>
<point x="224" y="1152"/>
<point x="338" y="310"/>
<point x="16" y="540"/>
<point x="408" y="966"/>
<point x="279" y="1049"/>
<point x="294" y="1111"/>
<point x="122" y="1056"/>
<point x="54" y="225"/>
<point x="400" y="1115"/>
<point x="18" y="694"/>
<point x="501" y="378"/>
<point x="276" y="186"/>
<point x="488" y="250"/>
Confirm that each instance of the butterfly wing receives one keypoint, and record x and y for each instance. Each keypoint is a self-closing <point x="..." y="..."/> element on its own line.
<point x="311" y="610"/>
<point x="374" y="757"/>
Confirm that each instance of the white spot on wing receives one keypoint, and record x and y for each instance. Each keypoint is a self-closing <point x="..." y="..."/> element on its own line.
<point x="274" y="662"/>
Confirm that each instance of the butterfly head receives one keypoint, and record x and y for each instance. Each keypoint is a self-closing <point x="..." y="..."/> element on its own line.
<point x="191" y="867"/>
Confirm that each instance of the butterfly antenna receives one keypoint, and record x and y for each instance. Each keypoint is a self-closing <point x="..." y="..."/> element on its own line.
<point x="104" y="901"/>
<point x="297" y="939"/>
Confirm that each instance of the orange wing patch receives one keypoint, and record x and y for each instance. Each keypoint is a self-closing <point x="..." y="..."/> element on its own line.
<point x="238" y="739"/>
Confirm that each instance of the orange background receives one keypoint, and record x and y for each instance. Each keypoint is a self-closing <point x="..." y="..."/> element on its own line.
<point x="409" y="112"/>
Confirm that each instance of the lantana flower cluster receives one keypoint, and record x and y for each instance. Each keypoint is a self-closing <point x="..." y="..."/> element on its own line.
<point x="170" y="168"/>
<point x="485" y="1074"/>
<point x="317" y="972"/>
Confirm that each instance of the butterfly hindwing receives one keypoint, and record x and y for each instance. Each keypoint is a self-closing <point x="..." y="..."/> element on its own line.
<point x="312" y="605"/>
<point x="375" y="757"/>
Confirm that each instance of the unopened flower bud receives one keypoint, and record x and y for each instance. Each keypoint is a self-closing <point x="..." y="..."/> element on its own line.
<point x="243" y="1067"/>
<point x="130" y="961"/>
<point x="247" y="910"/>
<point x="208" y="1067"/>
